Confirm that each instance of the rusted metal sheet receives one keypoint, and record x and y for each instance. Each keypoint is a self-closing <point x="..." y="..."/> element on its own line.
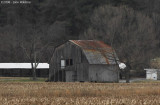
<point x="97" y="52"/>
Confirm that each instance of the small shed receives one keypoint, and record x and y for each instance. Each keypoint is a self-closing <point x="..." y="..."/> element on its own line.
<point x="84" y="60"/>
<point x="152" y="74"/>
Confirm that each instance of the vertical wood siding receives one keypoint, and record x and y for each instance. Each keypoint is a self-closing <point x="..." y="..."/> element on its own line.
<point x="79" y="67"/>
<point x="103" y="73"/>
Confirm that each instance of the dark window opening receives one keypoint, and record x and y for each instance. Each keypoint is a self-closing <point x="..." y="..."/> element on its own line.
<point x="69" y="62"/>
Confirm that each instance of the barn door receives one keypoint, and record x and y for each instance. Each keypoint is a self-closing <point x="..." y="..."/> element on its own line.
<point x="71" y="76"/>
<point x="62" y="76"/>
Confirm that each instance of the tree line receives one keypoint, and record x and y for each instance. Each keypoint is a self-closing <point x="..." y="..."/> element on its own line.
<point x="29" y="33"/>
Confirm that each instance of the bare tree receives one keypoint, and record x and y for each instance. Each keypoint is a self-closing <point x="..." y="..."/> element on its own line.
<point x="36" y="40"/>
<point x="155" y="63"/>
<point x="33" y="48"/>
<point x="133" y="33"/>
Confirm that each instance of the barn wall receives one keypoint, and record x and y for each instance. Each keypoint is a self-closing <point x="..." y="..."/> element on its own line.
<point x="83" y="72"/>
<point x="69" y="76"/>
<point x="67" y="51"/>
<point x="103" y="73"/>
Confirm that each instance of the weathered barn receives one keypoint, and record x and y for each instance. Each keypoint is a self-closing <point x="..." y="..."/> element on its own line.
<point x="23" y="70"/>
<point x="84" y="60"/>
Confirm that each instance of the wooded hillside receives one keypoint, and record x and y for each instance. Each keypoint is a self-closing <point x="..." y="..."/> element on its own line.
<point x="132" y="27"/>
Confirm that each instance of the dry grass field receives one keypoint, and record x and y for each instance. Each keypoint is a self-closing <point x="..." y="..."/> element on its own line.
<point x="41" y="93"/>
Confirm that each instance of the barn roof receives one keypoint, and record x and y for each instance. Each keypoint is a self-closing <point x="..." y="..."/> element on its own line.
<point x="97" y="52"/>
<point x="22" y="66"/>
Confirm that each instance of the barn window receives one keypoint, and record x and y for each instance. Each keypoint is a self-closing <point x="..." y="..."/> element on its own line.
<point x="69" y="62"/>
<point x="63" y="64"/>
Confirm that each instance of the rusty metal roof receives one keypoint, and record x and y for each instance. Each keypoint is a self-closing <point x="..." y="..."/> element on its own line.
<point x="97" y="52"/>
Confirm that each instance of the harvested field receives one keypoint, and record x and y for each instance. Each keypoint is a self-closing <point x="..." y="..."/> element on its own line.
<point x="28" y="93"/>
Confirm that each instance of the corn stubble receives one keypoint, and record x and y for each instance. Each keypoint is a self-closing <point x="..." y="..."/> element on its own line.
<point x="79" y="94"/>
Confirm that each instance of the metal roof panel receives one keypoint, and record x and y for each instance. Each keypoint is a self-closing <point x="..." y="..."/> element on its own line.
<point x="97" y="52"/>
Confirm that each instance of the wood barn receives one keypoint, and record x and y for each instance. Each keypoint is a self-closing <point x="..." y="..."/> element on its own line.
<point x="23" y="70"/>
<point x="84" y="60"/>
